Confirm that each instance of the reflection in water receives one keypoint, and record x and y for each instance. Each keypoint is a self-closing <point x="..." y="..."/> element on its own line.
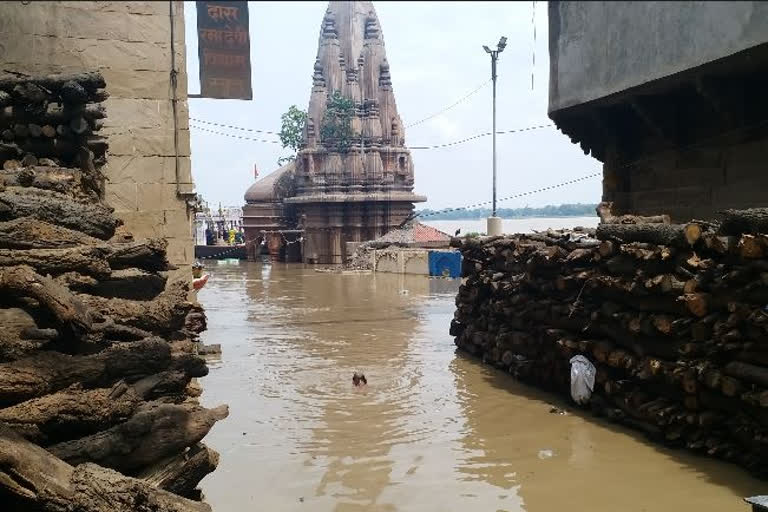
<point x="433" y="431"/>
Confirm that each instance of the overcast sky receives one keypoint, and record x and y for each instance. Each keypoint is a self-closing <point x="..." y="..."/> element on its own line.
<point x="435" y="54"/>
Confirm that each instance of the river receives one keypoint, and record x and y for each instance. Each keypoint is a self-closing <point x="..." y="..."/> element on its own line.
<point x="433" y="431"/>
<point x="526" y="225"/>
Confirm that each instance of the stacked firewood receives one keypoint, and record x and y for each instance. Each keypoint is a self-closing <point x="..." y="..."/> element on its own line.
<point x="52" y="121"/>
<point x="98" y="361"/>
<point x="674" y="318"/>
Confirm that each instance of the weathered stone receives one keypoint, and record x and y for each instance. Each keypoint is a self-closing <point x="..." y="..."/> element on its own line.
<point x="148" y="169"/>
<point x="122" y="196"/>
<point x="148" y="142"/>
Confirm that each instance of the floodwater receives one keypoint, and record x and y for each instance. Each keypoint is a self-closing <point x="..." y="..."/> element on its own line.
<point x="525" y="225"/>
<point x="433" y="431"/>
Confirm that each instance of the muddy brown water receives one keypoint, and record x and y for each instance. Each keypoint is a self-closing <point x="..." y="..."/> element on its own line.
<point x="433" y="431"/>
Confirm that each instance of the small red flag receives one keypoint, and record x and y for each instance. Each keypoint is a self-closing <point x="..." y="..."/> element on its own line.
<point x="255" y="172"/>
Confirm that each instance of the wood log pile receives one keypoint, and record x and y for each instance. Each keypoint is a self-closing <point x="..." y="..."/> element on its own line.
<point x="674" y="318"/>
<point x="98" y="347"/>
<point x="51" y="122"/>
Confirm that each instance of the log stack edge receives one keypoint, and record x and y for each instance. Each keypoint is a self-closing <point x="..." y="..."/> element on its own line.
<point x="674" y="317"/>
<point x="98" y="348"/>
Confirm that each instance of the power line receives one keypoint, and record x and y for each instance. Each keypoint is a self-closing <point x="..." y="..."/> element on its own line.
<point x="233" y="127"/>
<point x="436" y="146"/>
<point x="449" y="107"/>
<point x="269" y="132"/>
<point x="618" y="167"/>
<point x="480" y="135"/>
<point x="233" y="136"/>
<point x="514" y="196"/>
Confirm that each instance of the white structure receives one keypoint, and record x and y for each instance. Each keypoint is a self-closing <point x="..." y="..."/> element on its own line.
<point x="219" y="221"/>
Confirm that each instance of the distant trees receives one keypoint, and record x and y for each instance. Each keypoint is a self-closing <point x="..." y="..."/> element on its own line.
<point x="291" y="132"/>
<point x="562" y="210"/>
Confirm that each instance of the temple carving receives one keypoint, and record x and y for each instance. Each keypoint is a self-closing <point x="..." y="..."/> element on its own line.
<point x="343" y="188"/>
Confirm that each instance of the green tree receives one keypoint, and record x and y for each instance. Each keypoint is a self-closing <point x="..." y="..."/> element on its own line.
<point x="336" y="129"/>
<point x="292" y="132"/>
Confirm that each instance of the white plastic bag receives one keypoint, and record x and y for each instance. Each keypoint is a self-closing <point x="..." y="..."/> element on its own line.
<point x="582" y="379"/>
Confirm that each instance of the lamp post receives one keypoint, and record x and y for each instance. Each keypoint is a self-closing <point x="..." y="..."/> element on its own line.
<point x="494" y="223"/>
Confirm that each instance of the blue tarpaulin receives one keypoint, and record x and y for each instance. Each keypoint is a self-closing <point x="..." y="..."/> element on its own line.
<point x="445" y="264"/>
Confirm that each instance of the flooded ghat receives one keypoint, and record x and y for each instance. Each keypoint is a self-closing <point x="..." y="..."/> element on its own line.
<point x="433" y="431"/>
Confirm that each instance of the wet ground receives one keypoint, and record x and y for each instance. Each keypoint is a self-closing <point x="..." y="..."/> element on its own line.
<point x="433" y="431"/>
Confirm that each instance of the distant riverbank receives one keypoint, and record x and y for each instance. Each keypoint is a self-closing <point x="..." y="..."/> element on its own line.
<point x="549" y="211"/>
<point x="520" y="225"/>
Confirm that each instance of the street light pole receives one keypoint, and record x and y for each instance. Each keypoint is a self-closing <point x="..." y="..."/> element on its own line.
<point x="494" y="57"/>
<point x="494" y="223"/>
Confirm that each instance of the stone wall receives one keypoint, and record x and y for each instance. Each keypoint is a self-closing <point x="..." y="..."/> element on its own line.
<point x="601" y="48"/>
<point x="130" y="43"/>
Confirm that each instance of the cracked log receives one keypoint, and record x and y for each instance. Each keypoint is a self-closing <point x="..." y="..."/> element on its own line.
<point x="155" y="431"/>
<point x="676" y="235"/>
<point x="68" y="311"/>
<point x="75" y="412"/>
<point x="87" y="260"/>
<point x="93" y="219"/>
<point x="33" y="480"/>
<point x="57" y="179"/>
<point x="31" y="233"/>
<point x="163" y="315"/>
<point x="147" y="254"/>
<point x="131" y="284"/>
<point x="49" y="372"/>
<point x="750" y="221"/>
<point x="181" y="473"/>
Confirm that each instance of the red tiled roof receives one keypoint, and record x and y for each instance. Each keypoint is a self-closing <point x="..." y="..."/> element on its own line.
<point x="424" y="233"/>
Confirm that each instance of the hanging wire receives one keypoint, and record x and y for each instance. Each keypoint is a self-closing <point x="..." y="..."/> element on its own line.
<point x="233" y="136"/>
<point x="420" y="121"/>
<point x="233" y="127"/>
<point x="625" y="165"/>
<point x="435" y="146"/>
<point x="514" y="196"/>
<point x="480" y="135"/>
<point x="449" y="107"/>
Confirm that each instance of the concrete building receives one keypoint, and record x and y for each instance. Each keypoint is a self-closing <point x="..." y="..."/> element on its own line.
<point x="138" y="47"/>
<point x="670" y="96"/>
<point x="344" y="188"/>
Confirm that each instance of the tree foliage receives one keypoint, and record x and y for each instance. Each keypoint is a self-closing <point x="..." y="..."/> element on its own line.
<point x="292" y="132"/>
<point x="336" y="129"/>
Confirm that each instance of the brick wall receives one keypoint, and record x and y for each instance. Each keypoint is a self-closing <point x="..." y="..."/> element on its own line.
<point x="130" y="43"/>
<point x="693" y="183"/>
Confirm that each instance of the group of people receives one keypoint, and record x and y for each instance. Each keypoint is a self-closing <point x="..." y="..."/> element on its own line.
<point x="232" y="236"/>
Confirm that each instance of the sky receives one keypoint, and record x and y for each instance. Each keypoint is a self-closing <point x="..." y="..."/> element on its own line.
<point x="436" y="57"/>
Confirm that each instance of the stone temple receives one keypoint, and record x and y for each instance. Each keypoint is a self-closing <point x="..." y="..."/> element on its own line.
<point x="339" y="191"/>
